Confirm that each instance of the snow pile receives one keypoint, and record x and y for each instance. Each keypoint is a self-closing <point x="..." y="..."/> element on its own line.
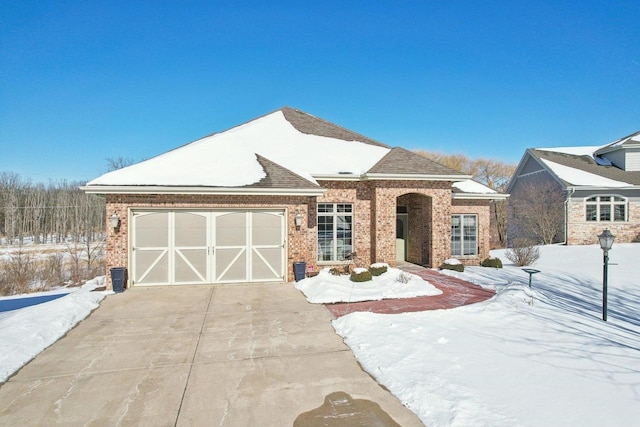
<point x="539" y="356"/>
<point x="326" y="288"/>
<point x="26" y="332"/>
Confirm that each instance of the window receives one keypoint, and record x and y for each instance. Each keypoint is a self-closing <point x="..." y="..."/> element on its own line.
<point x="335" y="231"/>
<point x="464" y="235"/>
<point x="606" y="208"/>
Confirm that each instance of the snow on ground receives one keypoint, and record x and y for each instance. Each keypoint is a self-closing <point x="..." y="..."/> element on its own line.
<point x="26" y="332"/>
<point x="326" y="288"/>
<point x="531" y="357"/>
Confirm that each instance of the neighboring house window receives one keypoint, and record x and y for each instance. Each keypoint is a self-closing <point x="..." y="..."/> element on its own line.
<point x="606" y="208"/>
<point x="335" y="231"/>
<point x="464" y="235"/>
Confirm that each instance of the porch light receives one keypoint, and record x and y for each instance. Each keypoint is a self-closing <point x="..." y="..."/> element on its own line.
<point x="115" y="220"/>
<point x="606" y="242"/>
<point x="298" y="218"/>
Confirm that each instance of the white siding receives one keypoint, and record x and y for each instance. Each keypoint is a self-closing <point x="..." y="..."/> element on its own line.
<point x="633" y="160"/>
<point x="617" y="158"/>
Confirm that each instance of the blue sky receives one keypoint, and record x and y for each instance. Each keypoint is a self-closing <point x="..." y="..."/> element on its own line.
<point x="83" y="81"/>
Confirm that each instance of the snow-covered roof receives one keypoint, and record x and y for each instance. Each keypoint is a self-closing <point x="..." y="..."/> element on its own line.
<point x="228" y="159"/>
<point x="579" y="177"/>
<point x="470" y="189"/>
<point x="578" y="167"/>
<point x="575" y="151"/>
<point x="628" y="141"/>
<point x="287" y="149"/>
<point x="471" y="186"/>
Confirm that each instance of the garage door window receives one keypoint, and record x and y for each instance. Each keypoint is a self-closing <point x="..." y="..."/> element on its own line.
<point x="335" y="231"/>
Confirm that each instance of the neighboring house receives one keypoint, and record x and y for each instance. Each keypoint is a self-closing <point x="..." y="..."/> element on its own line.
<point x="600" y="188"/>
<point x="245" y="204"/>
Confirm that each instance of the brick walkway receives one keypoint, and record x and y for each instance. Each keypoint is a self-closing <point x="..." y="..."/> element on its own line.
<point x="455" y="293"/>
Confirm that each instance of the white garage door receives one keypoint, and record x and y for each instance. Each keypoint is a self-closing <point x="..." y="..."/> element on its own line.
<point x="190" y="247"/>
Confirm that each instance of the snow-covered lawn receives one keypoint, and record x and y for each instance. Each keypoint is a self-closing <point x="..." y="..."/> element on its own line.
<point x="26" y="332"/>
<point x="538" y="357"/>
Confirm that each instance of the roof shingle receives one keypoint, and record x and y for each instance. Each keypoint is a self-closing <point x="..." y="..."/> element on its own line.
<point x="401" y="161"/>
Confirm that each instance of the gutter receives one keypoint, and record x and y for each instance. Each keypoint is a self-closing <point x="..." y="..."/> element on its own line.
<point x="243" y="191"/>
<point x="566" y="214"/>
<point x="479" y="196"/>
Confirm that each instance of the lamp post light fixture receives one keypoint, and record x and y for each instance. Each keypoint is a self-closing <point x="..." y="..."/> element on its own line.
<point x="298" y="218"/>
<point x="606" y="242"/>
<point x="115" y="221"/>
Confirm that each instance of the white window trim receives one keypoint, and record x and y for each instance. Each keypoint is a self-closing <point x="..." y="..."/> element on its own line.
<point x="611" y="203"/>
<point x="335" y="214"/>
<point x="477" y="249"/>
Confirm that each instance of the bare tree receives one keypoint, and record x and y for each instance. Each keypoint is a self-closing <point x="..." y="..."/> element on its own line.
<point x="115" y="163"/>
<point x="538" y="212"/>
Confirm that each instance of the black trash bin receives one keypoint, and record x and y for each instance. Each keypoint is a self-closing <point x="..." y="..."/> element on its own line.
<point x="299" y="270"/>
<point x="118" y="275"/>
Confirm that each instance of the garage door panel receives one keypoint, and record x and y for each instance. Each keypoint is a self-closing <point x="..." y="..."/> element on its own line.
<point x="190" y="266"/>
<point x="152" y="230"/>
<point x="231" y="229"/>
<point x="266" y="264"/>
<point x="190" y="229"/>
<point x="266" y="229"/>
<point x="231" y="265"/>
<point x="152" y="266"/>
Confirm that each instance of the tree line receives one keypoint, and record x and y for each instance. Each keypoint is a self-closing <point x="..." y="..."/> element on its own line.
<point x="51" y="213"/>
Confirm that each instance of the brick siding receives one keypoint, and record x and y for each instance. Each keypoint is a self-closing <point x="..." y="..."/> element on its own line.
<point x="582" y="232"/>
<point x="482" y="208"/>
<point x="429" y="203"/>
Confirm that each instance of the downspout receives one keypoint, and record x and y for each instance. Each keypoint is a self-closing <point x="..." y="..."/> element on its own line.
<point x="566" y="213"/>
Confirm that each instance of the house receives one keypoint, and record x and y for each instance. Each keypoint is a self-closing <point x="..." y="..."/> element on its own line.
<point x="243" y="205"/>
<point x="599" y="187"/>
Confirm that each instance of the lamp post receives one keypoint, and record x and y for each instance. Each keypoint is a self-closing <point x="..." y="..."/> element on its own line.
<point x="606" y="242"/>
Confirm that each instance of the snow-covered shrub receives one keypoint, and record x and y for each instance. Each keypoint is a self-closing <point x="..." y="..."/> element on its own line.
<point x="360" y="275"/>
<point x="378" y="268"/>
<point x="452" y="264"/>
<point x="491" y="262"/>
<point x="523" y="252"/>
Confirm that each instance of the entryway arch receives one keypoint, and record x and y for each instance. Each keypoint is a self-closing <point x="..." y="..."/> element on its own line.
<point x="413" y="228"/>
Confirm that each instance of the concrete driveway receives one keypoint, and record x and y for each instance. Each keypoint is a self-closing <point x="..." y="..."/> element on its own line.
<point x="227" y="355"/>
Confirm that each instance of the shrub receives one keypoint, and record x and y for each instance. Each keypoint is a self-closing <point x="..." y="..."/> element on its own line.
<point x="360" y="275"/>
<point x="335" y="271"/>
<point x="378" y="268"/>
<point x="523" y="252"/>
<point x="452" y="266"/>
<point x="491" y="262"/>
<point x="404" y="277"/>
